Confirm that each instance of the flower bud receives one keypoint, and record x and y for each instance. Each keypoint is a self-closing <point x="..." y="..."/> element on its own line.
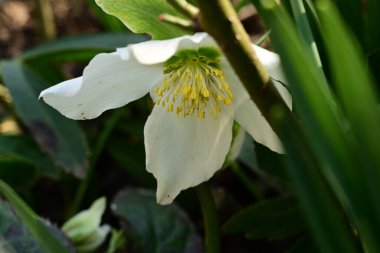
<point x="84" y="228"/>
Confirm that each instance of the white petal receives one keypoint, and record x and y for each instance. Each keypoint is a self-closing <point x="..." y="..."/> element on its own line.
<point x="236" y="145"/>
<point x="272" y="63"/>
<point x="246" y="112"/>
<point x="184" y="152"/>
<point x="108" y="82"/>
<point x="158" y="51"/>
<point x="251" y="119"/>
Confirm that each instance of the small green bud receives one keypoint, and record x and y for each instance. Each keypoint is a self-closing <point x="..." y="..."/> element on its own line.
<point x="84" y="229"/>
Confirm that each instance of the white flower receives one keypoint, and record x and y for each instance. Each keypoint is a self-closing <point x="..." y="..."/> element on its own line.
<point x="197" y="98"/>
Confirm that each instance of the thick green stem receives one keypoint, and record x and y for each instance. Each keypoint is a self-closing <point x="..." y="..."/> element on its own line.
<point x="210" y="217"/>
<point x="185" y="8"/>
<point x="219" y="19"/>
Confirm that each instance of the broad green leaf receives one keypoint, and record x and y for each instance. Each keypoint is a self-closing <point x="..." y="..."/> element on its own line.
<point x="155" y="228"/>
<point x="276" y="218"/>
<point x="111" y="23"/>
<point x="15" y="236"/>
<point x="17" y="171"/>
<point x="61" y="138"/>
<point x="46" y="240"/>
<point x="24" y="147"/>
<point x="79" y="47"/>
<point x="143" y="16"/>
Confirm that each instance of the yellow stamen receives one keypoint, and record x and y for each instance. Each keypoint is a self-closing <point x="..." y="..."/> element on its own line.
<point x="194" y="85"/>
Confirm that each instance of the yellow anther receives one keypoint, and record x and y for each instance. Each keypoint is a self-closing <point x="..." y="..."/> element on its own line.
<point x="205" y="92"/>
<point x="194" y="85"/>
<point x="227" y="101"/>
<point x="193" y="94"/>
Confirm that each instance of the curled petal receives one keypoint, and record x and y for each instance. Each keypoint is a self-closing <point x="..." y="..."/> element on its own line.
<point x="108" y="82"/>
<point x="272" y="63"/>
<point x="184" y="152"/>
<point x="251" y="119"/>
<point x="249" y="116"/>
<point x="158" y="51"/>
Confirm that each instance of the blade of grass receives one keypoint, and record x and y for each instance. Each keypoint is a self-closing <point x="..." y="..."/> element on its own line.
<point x="352" y="13"/>
<point x="47" y="241"/>
<point x="304" y="29"/>
<point x="315" y="105"/>
<point x="329" y="229"/>
<point x="354" y="83"/>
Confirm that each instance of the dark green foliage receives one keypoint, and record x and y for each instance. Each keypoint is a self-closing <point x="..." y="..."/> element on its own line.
<point x="155" y="228"/>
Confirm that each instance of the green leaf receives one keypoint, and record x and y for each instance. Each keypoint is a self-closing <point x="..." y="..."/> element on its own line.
<point x="46" y="240"/>
<point x="13" y="233"/>
<point x="79" y="47"/>
<point x="117" y="241"/>
<point x="155" y="228"/>
<point x="143" y="16"/>
<point x="276" y="218"/>
<point x="109" y="22"/>
<point x="352" y="14"/>
<point x="17" y="171"/>
<point x="61" y="138"/>
<point x="24" y="147"/>
<point x="354" y="83"/>
<point x="321" y="150"/>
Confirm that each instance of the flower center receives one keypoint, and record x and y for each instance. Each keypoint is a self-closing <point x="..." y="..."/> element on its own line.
<point x="194" y="84"/>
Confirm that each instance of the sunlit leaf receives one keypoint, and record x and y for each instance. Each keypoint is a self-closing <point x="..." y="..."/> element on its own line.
<point x="143" y="16"/>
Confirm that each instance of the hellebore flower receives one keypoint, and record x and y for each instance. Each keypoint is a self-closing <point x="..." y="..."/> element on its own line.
<point x="197" y="98"/>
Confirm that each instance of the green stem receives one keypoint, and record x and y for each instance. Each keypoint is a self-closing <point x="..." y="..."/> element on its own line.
<point x="177" y="21"/>
<point x="104" y="135"/>
<point x="46" y="19"/>
<point x="185" y="8"/>
<point x="210" y="217"/>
